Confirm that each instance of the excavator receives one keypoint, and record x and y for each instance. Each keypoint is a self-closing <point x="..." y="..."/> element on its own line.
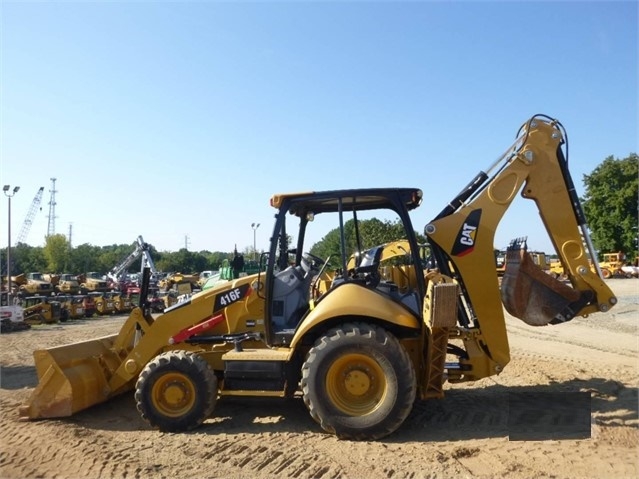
<point x="361" y="349"/>
<point x="142" y="249"/>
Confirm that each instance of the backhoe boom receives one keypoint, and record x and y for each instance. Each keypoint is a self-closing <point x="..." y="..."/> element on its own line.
<point x="462" y="236"/>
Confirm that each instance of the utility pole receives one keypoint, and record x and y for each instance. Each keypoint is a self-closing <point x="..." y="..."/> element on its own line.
<point x="6" y="189"/>
<point x="186" y="242"/>
<point x="70" y="234"/>
<point x="255" y="226"/>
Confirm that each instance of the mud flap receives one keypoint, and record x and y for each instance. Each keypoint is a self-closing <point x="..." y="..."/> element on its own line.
<point x="535" y="297"/>
<point x="71" y="378"/>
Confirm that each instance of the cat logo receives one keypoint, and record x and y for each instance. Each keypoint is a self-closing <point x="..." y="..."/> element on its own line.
<point x="467" y="236"/>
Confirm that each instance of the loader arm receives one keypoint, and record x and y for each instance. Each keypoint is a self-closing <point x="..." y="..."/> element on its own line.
<point x="76" y="376"/>
<point x="462" y="237"/>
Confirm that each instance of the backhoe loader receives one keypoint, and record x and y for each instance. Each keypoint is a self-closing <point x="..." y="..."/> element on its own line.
<point x="361" y="349"/>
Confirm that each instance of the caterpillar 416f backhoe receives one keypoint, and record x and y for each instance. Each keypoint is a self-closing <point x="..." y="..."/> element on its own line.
<point x="360" y="349"/>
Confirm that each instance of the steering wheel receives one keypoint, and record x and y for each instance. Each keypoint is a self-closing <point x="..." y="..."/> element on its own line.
<point x="315" y="262"/>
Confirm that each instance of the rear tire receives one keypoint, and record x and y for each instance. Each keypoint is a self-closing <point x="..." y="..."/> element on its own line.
<point x="176" y="391"/>
<point x="358" y="382"/>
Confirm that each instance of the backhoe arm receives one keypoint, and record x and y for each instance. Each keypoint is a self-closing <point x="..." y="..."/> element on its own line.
<point x="462" y="237"/>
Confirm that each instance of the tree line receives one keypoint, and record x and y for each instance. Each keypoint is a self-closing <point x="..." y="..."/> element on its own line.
<point x="57" y="256"/>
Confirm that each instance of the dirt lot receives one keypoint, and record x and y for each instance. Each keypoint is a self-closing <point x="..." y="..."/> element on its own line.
<point x="467" y="434"/>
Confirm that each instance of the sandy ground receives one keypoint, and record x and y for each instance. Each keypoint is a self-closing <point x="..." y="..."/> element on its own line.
<point x="467" y="434"/>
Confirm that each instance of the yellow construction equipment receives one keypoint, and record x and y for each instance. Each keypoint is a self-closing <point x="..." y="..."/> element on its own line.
<point x="104" y="302"/>
<point x="92" y="282"/>
<point x="612" y="264"/>
<point x="67" y="284"/>
<point x="41" y="309"/>
<point x="363" y="347"/>
<point x="33" y="284"/>
<point x="72" y="306"/>
<point x="121" y="302"/>
<point x="180" y="282"/>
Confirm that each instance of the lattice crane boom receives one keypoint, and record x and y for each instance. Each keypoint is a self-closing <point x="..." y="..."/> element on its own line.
<point x="28" y="221"/>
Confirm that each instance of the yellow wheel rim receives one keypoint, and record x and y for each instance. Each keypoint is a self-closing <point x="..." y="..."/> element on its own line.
<point x="356" y="384"/>
<point x="173" y="394"/>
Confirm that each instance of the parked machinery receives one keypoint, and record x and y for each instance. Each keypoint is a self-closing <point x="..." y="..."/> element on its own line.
<point x="92" y="282"/>
<point x="612" y="265"/>
<point x="118" y="272"/>
<point x="180" y="282"/>
<point x="11" y="315"/>
<point x="68" y="284"/>
<point x="88" y="303"/>
<point x="104" y="304"/>
<point x="72" y="306"/>
<point x="41" y="309"/>
<point x="32" y="284"/>
<point x="121" y="302"/>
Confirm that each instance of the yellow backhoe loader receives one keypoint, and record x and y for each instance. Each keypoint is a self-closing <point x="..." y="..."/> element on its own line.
<point x="362" y="349"/>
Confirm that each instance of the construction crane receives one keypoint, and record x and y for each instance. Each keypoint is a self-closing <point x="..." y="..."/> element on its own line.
<point x="28" y="221"/>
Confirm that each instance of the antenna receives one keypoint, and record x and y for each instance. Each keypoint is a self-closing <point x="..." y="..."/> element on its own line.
<point x="52" y="203"/>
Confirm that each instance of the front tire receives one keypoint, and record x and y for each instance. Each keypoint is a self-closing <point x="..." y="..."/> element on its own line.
<point x="358" y="382"/>
<point x="176" y="391"/>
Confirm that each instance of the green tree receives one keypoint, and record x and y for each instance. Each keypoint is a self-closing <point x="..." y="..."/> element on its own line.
<point x="111" y="256"/>
<point x="610" y="204"/>
<point x="84" y="258"/>
<point x="24" y="258"/>
<point x="214" y="260"/>
<point x="56" y="252"/>
<point x="182" y="261"/>
<point x="58" y="257"/>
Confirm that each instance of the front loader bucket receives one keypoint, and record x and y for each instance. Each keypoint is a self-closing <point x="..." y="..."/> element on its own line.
<point x="533" y="296"/>
<point x="71" y="378"/>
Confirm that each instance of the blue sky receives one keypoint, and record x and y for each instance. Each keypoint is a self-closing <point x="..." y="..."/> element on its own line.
<point x="181" y="119"/>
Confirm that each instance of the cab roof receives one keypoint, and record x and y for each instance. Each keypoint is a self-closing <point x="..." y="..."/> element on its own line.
<point x="300" y="204"/>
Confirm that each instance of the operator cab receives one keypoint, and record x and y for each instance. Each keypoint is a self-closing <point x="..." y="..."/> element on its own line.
<point x="352" y="224"/>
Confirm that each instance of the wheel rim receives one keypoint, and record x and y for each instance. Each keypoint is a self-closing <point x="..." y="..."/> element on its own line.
<point x="356" y="384"/>
<point x="173" y="394"/>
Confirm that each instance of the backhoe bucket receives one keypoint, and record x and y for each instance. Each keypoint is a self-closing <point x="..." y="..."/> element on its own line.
<point x="532" y="295"/>
<point x="71" y="378"/>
